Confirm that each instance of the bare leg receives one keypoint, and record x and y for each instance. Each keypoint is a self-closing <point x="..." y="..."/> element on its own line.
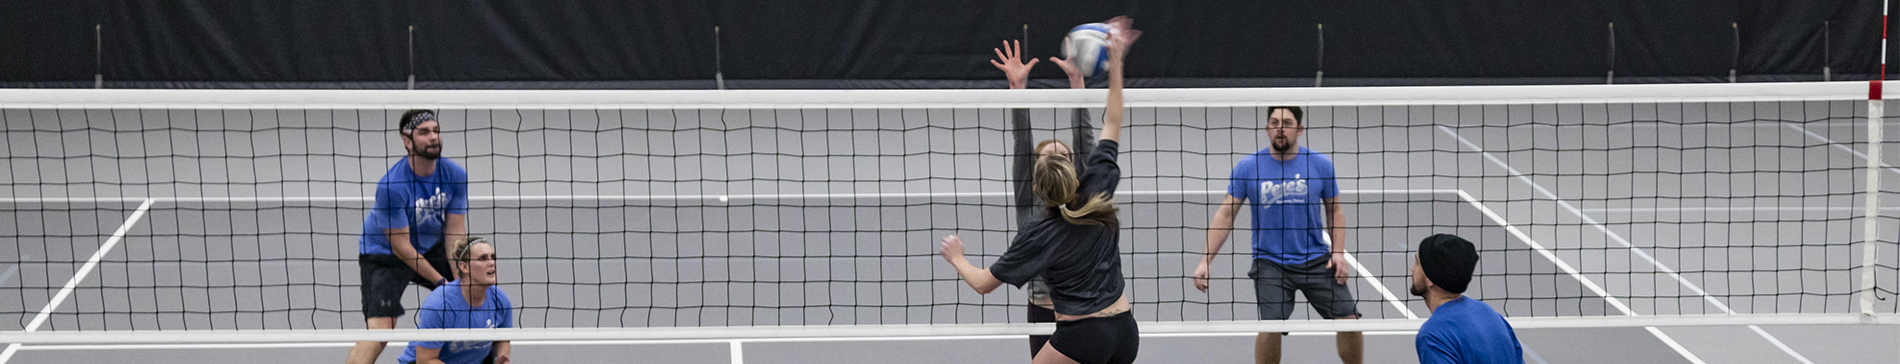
<point x="1049" y="355"/>
<point x="1352" y="345"/>
<point x="1266" y="348"/>
<point x="366" y="352"/>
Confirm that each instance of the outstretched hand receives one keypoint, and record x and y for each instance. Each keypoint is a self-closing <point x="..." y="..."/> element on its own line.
<point x="1121" y="36"/>
<point x="1009" y="59"/>
<point x="1075" y="74"/>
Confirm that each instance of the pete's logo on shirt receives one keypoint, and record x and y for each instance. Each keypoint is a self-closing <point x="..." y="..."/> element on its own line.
<point x="432" y="209"/>
<point x="1293" y="191"/>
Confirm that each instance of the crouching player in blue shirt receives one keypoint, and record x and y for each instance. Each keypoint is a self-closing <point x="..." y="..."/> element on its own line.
<point x="1461" y="330"/>
<point x="472" y="302"/>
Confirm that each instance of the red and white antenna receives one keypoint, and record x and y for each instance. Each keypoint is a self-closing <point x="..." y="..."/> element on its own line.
<point x="1875" y="110"/>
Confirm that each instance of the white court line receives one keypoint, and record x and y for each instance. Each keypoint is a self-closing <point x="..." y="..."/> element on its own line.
<point x="232" y="339"/>
<point x="1374" y="280"/>
<point x="738" y="354"/>
<point x="78" y="276"/>
<point x="1729" y="209"/>
<point x="400" y="344"/>
<point x="14" y="269"/>
<point x="1856" y="153"/>
<point x="1652" y="124"/>
<point x="1541" y="250"/>
<point x="1632" y="247"/>
<point x="646" y="197"/>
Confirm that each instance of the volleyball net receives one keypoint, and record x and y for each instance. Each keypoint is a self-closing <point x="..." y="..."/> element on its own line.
<point x="161" y="216"/>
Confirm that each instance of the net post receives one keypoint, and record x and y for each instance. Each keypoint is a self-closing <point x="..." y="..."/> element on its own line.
<point x="1609" y="77"/>
<point x="98" y="56"/>
<point x="1875" y="109"/>
<point x="719" y="72"/>
<point x="1735" y="29"/>
<point x="1319" y="59"/>
<point x="412" y="57"/>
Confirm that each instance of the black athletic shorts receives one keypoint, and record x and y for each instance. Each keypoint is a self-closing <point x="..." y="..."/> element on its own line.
<point x="385" y="277"/>
<point x="1273" y="286"/>
<point x="1100" y="340"/>
<point x="1039" y="314"/>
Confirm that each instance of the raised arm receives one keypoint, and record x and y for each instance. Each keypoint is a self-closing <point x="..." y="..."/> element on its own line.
<point x="1009" y="60"/>
<point x="1075" y="74"/>
<point x="1121" y="36"/>
<point x="1084" y="130"/>
<point x="1217" y="232"/>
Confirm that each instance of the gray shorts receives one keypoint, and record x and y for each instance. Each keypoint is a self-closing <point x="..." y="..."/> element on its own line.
<point x="1273" y="286"/>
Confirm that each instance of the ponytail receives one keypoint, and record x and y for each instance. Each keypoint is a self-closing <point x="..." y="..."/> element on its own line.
<point x="1056" y="183"/>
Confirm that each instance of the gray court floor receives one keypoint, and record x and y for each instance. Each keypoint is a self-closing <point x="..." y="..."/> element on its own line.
<point x="1752" y="216"/>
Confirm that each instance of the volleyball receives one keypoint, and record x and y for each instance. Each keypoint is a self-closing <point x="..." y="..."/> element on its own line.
<point x="1086" y="47"/>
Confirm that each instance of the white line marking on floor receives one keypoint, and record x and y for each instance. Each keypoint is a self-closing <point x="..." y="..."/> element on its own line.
<point x="1728" y="209"/>
<point x="1671" y="342"/>
<point x="14" y="269"/>
<point x="1620" y="240"/>
<point x="79" y="276"/>
<point x="1856" y="153"/>
<point x="647" y="197"/>
<point x="1376" y="285"/>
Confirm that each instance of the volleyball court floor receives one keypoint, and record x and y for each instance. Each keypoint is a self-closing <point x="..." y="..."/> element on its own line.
<point x="216" y="265"/>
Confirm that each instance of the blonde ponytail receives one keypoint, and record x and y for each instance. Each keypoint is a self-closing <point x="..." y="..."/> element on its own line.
<point x="1055" y="181"/>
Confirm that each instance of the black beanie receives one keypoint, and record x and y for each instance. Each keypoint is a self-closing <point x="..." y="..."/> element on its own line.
<point x="1448" y="261"/>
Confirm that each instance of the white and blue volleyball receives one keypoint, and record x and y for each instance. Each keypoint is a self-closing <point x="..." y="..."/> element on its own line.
<point x="1086" y="47"/>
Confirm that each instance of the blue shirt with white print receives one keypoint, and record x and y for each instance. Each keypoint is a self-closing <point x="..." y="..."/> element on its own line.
<point x="1287" y="200"/>
<point x="419" y="203"/>
<point x="447" y="309"/>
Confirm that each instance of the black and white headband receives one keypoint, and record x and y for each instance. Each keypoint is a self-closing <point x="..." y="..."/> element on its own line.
<point x="409" y="126"/>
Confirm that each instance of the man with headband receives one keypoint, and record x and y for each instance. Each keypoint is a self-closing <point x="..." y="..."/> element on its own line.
<point x="421" y="202"/>
<point x="1461" y="330"/>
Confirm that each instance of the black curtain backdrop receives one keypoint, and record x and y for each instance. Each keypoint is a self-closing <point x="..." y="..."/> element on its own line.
<point x="920" y="44"/>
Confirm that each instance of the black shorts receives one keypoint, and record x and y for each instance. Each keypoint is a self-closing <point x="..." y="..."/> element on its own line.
<point x="1273" y="286"/>
<point x="1101" y="340"/>
<point x="385" y="277"/>
<point x="1039" y="314"/>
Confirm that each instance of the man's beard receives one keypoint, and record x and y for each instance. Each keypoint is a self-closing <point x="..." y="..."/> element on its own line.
<point x="1418" y="289"/>
<point x="426" y="154"/>
<point x="1283" y="147"/>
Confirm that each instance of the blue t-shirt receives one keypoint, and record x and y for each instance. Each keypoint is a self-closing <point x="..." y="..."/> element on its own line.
<point x="1287" y="199"/>
<point x="447" y="309"/>
<point x="419" y="203"/>
<point x="1467" y="331"/>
